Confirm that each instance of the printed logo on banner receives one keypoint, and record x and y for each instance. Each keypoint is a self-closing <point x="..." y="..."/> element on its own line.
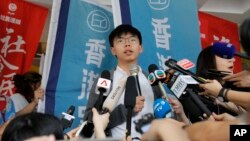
<point x="158" y="4"/>
<point x="98" y="21"/>
<point x="12" y="7"/>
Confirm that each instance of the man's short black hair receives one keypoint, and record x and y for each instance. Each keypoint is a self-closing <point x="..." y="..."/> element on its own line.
<point x="124" y="29"/>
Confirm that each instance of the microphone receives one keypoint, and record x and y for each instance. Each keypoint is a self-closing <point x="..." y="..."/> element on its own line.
<point x="129" y="101"/>
<point x="114" y="96"/>
<point x="162" y="108"/>
<point x="156" y="77"/>
<point x="171" y="63"/>
<point x="102" y="88"/>
<point x="185" y="85"/>
<point x="68" y="118"/>
<point x="134" y="69"/>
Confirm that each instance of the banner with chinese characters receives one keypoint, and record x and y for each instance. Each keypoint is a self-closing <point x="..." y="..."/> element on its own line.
<point x="216" y="29"/>
<point x="21" y="26"/>
<point x="77" y="52"/>
<point x="169" y="28"/>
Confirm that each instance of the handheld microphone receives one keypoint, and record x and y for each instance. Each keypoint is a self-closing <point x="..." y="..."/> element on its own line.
<point x="134" y="69"/>
<point x="129" y="101"/>
<point x="182" y="85"/>
<point x="171" y="63"/>
<point x="102" y="88"/>
<point x="215" y="74"/>
<point x="68" y="118"/>
<point x="156" y="77"/>
<point x="114" y="96"/>
<point x="162" y="108"/>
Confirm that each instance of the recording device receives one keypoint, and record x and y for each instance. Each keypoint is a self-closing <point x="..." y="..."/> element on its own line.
<point x="171" y="63"/>
<point x="156" y="77"/>
<point x="102" y="87"/>
<point x="129" y="101"/>
<point x="114" y="96"/>
<point x="68" y="118"/>
<point x="142" y="125"/>
<point x="186" y="85"/>
<point x="162" y="109"/>
<point x="134" y="69"/>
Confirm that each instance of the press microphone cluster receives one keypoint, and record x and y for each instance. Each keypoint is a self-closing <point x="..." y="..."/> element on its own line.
<point x="68" y="118"/>
<point x="156" y="77"/>
<point x="185" y="84"/>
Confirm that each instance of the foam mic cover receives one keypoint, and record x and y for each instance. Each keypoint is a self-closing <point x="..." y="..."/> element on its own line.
<point x="162" y="108"/>
<point x="129" y="101"/>
<point x="114" y="96"/>
<point x="130" y="92"/>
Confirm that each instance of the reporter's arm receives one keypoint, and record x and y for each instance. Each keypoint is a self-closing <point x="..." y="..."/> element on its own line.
<point x="209" y="130"/>
<point x="100" y="123"/>
<point x="166" y="130"/>
<point x="241" y="79"/>
<point x="238" y="97"/>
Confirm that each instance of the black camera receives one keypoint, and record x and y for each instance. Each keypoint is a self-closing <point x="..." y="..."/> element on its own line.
<point x="142" y="125"/>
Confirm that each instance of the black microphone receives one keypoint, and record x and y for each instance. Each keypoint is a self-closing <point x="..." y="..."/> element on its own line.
<point x="186" y="85"/>
<point x="130" y="100"/>
<point x="156" y="77"/>
<point x="171" y="63"/>
<point x="134" y="69"/>
<point x="68" y="118"/>
<point x="102" y="87"/>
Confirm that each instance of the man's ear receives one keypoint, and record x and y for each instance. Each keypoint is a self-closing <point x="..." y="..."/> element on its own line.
<point x="112" y="49"/>
<point x="141" y="49"/>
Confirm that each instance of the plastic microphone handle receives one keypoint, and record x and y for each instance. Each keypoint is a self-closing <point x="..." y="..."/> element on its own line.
<point x="164" y="93"/>
<point x="200" y="104"/>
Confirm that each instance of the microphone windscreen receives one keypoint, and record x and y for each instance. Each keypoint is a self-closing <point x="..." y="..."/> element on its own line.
<point x="105" y="74"/>
<point x="71" y="110"/>
<point x="171" y="63"/>
<point x="162" y="108"/>
<point x="223" y="50"/>
<point x="130" y="92"/>
<point x="152" y="68"/>
<point x="134" y="69"/>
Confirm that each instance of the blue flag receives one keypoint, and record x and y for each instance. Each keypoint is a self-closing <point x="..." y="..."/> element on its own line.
<point x="78" y="51"/>
<point x="169" y="28"/>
